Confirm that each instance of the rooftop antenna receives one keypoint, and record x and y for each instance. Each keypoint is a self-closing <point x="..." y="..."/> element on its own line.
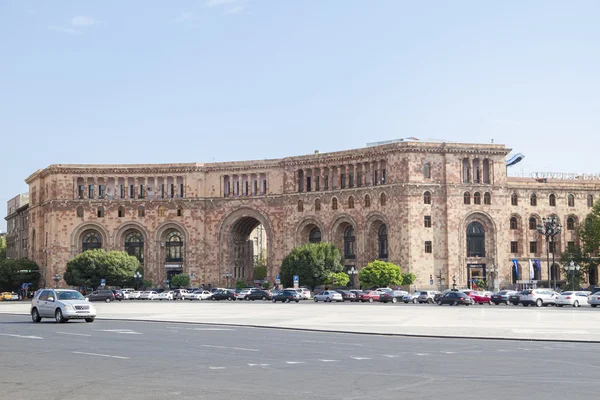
<point x="492" y="141"/>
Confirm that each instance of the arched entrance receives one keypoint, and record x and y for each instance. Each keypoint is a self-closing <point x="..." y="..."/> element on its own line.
<point x="345" y="237"/>
<point x="376" y="239"/>
<point x="134" y="244"/>
<point x="309" y="231"/>
<point x="479" y="244"/>
<point x="91" y="240"/>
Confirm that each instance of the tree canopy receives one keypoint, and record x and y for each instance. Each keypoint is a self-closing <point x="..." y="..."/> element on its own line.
<point x="380" y="274"/>
<point x="408" y="278"/>
<point x="2" y="248"/>
<point x="180" y="280"/>
<point x="579" y="257"/>
<point x="589" y="232"/>
<point x="89" y="267"/>
<point x="312" y="262"/>
<point x="338" y="279"/>
<point x="11" y="276"/>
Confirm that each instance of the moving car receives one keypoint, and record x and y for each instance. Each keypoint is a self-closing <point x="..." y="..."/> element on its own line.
<point x="455" y="298"/>
<point x="393" y="297"/>
<point x="101" y="295"/>
<point x="62" y="305"/>
<point x="223" y="295"/>
<point x="575" y="299"/>
<point x="538" y="297"/>
<point x="258" y="295"/>
<point x="286" y="296"/>
<point x="502" y="297"/>
<point x="328" y="296"/>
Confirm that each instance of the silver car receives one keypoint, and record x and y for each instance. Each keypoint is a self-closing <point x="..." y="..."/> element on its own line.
<point x="427" y="296"/>
<point x="594" y="299"/>
<point x="328" y="296"/>
<point x="411" y="298"/>
<point x="62" y="305"/>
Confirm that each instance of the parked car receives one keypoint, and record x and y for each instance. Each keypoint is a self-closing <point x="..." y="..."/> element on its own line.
<point x="427" y="296"/>
<point x="6" y="296"/>
<point x="411" y="297"/>
<point x="515" y="298"/>
<point x="305" y="294"/>
<point x="285" y="296"/>
<point x="244" y="293"/>
<point x="481" y="298"/>
<point x="299" y="291"/>
<point x="502" y="297"/>
<point x="369" y="295"/>
<point x="118" y="295"/>
<point x="101" y="295"/>
<point x="393" y="297"/>
<point x="14" y="296"/>
<point x="258" y="295"/>
<point x="62" y="305"/>
<point x="347" y="295"/>
<point x="575" y="299"/>
<point x="165" y="295"/>
<point x="538" y="297"/>
<point x="223" y="295"/>
<point x="455" y="298"/>
<point x="328" y="296"/>
<point x="384" y="289"/>
<point x="198" y="295"/>
<point x="134" y="295"/>
<point x="149" y="295"/>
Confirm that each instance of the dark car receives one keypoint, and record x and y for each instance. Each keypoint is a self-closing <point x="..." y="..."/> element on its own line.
<point x="101" y="295"/>
<point x="118" y="295"/>
<point x="455" y="298"/>
<point x="393" y="297"/>
<point x="502" y="297"/>
<point x="223" y="295"/>
<point x="258" y="295"/>
<point x="515" y="298"/>
<point x="347" y="295"/>
<point x="286" y="296"/>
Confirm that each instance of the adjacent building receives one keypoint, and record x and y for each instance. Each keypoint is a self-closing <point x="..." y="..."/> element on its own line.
<point x="445" y="211"/>
<point x="17" y="227"/>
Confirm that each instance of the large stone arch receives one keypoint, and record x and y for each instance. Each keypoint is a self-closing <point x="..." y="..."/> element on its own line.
<point x="336" y="235"/>
<point x="233" y="230"/>
<point x="78" y="232"/>
<point x="303" y="228"/>
<point x="373" y="223"/>
<point x="491" y="248"/>
<point x="166" y="226"/>
<point x="122" y="231"/>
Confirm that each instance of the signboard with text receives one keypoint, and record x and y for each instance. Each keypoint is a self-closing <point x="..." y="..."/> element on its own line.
<point x="296" y="282"/>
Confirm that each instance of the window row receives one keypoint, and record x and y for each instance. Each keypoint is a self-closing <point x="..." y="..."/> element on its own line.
<point x="245" y="185"/>
<point x="533" y="200"/>
<point x="129" y="188"/>
<point x="141" y="211"/>
<point x="341" y="177"/>
<point x="534" y="222"/>
<point x="350" y="203"/>
<point x="487" y="198"/>
<point x="477" y="170"/>
<point x="534" y="249"/>
<point x="314" y="236"/>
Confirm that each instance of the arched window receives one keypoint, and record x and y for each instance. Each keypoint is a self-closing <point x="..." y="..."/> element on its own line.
<point x="552" y="200"/>
<point x="515" y="274"/>
<point x="477" y="198"/>
<point x="349" y="243"/>
<point x="427" y="171"/>
<point x="134" y="245"/>
<point x="590" y="200"/>
<point x="514" y="199"/>
<point x="514" y="223"/>
<point x="475" y="240"/>
<point x="91" y="240"/>
<point x="314" y="236"/>
<point x="570" y="224"/>
<point x="351" y="202"/>
<point x="174" y="247"/>
<point x="317" y="205"/>
<point x="100" y="212"/>
<point x="121" y="212"/>
<point x="383" y="241"/>
<point x="300" y="206"/>
<point x="80" y="212"/>
<point x="367" y="201"/>
<point x="487" y="199"/>
<point x="467" y="198"/>
<point x="571" y="200"/>
<point x="533" y="200"/>
<point x="141" y="211"/>
<point x="334" y="204"/>
<point x="427" y="198"/>
<point x="383" y="199"/>
<point x="179" y="211"/>
<point x="533" y="223"/>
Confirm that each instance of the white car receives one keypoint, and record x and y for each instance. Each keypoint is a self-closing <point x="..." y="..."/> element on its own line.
<point x="328" y="296"/>
<point x="538" y="297"/>
<point x="594" y="299"/>
<point x="575" y="299"/>
<point x="165" y="295"/>
<point x="198" y="295"/>
<point x="134" y="295"/>
<point x="384" y="290"/>
<point x="242" y="294"/>
<point x="62" y="305"/>
<point x="149" y="295"/>
<point x="305" y="293"/>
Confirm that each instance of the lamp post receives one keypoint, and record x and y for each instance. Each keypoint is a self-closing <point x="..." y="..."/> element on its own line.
<point x="572" y="267"/>
<point x="352" y="272"/>
<point x="56" y="278"/>
<point x="138" y="277"/>
<point x="454" y="282"/>
<point x="227" y="276"/>
<point x="492" y="270"/>
<point x="550" y="227"/>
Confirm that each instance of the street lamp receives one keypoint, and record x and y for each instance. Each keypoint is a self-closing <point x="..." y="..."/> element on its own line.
<point x="493" y="269"/>
<point x="352" y="272"/>
<point x="227" y="276"/>
<point x="573" y="267"/>
<point x="550" y="227"/>
<point x="454" y="282"/>
<point x="56" y="278"/>
<point x="138" y="277"/>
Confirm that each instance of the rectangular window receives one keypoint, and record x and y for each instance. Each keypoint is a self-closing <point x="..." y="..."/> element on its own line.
<point x="90" y="191"/>
<point x="533" y="247"/>
<point x="317" y="183"/>
<point x="359" y="179"/>
<point x="255" y="187"/>
<point x="428" y="221"/>
<point x="571" y="247"/>
<point x="375" y="177"/>
<point x="122" y="191"/>
<point x="428" y="247"/>
<point x="80" y="191"/>
<point x="141" y="193"/>
<point x="351" y="180"/>
<point x="131" y="191"/>
<point x="264" y="189"/>
<point x="383" y="176"/>
<point x="101" y="191"/>
<point x="308" y="184"/>
<point x="247" y="186"/>
<point x="326" y="182"/>
<point x="343" y="181"/>
<point x="162" y="191"/>
<point x="172" y="190"/>
<point x="514" y="247"/>
<point x="181" y="190"/>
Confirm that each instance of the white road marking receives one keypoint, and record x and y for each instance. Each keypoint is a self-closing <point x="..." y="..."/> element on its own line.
<point x="216" y="367"/>
<point x="449" y="352"/>
<point x="422" y="354"/>
<point x="121" y="331"/>
<point x="260" y="365"/>
<point x="390" y="356"/>
<point x="21" y="336"/>
<point x="328" y="360"/>
<point x="295" y="362"/>
<point x="228" y="348"/>
<point x="565" y="331"/>
<point x="100" y="355"/>
<point x="213" y="329"/>
<point x="361" y="358"/>
<point x="74" y="334"/>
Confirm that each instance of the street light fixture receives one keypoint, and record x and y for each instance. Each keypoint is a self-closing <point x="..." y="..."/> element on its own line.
<point x="138" y="277"/>
<point x="352" y="272"/>
<point x="572" y="267"/>
<point x="227" y="276"/>
<point x="550" y="227"/>
<point x="56" y="278"/>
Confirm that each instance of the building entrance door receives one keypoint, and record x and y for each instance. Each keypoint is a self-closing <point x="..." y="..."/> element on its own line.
<point x="475" y="273"/>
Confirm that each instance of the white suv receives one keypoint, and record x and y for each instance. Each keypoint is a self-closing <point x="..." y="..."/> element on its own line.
<point x="538" y="297"/>
<point x="62" y="305"/>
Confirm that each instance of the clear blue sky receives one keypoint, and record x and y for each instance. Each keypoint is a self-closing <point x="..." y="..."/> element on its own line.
<point x="113" y="81"/>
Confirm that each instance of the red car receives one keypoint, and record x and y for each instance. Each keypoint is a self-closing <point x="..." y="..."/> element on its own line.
<point x="481" y="297"/>
<point x="369" y="295"/>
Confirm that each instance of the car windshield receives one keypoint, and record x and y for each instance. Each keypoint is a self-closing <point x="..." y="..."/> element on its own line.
<point x="566" y="293"/>
<point x="70" y="296"/>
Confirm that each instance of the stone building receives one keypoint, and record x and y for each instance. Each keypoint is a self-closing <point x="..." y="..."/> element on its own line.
<point x="437" y="209"/>
<point x="17" y="227"/>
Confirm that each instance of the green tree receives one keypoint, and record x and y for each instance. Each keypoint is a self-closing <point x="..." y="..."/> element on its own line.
<point x="589" y="232"/>
<point x="148" y="284"/>
<point x="338" y="279"/>
<point x="11" y="276"/>
<point x="380" y="274"/>
<point x="89" y="267"/>
<point x="408" y="278"/>
<point x="260" y="269"/>
<point x="180" y="280"/>
<point x="2" y="248"/>
<point x="240" y="284"/>
<point x="312" y="262"/>
<point x="579" y="257"/>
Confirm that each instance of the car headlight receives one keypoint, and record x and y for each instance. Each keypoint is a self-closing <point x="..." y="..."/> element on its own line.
<point x="69" y="307"/>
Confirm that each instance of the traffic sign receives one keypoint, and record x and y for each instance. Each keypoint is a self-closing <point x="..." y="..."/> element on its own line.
<point x="431" y="281"/>
<point x="296" y="282"/>
<point x="277" y="279"/>
<point x="102" y="282"/>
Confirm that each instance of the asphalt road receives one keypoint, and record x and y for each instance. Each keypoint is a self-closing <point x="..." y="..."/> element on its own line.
<point x="141" y="360"/>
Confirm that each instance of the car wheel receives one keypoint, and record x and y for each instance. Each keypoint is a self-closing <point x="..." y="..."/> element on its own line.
<point x="264" y="298"/>
<point x="371" y="300"/>
<point x="316" y="300"/>
<point x="394" y="300"/>
<point x="525" y="305"/>
<point x="58" y="316"/>
<point x="539" y="303"/>
<point x="297" y="301"/>
<point x="35" y="315"/>
<point x="439" y="302"/>
<point x="274" y="301"/>
<point x="327" y="300"/>
<point x="89" y="320"/>
<point x="455" y="303"/>
<point x="287" y="300"/>
<point x="107" y="300"/>
<point x="429" y="301"/>
<point x="593" y="305"/>
<point x="576" y="304"/>
<point x="247" y="298"/>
